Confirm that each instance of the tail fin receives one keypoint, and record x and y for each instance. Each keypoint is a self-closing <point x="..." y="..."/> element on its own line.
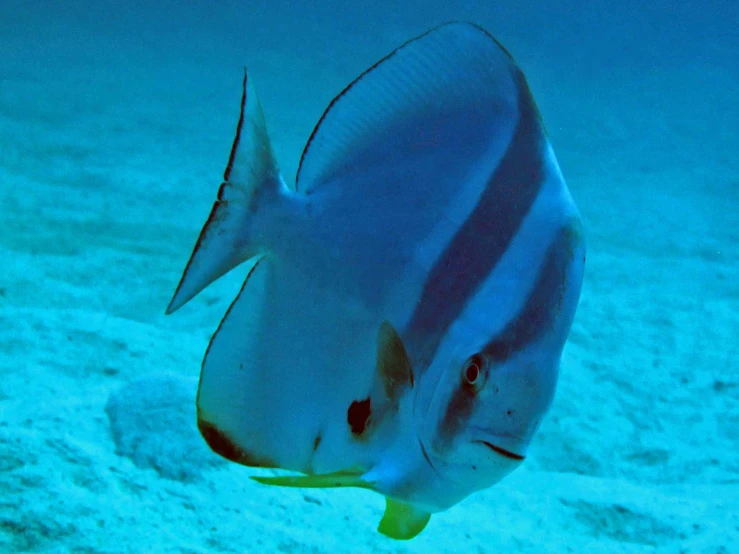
<point x="225" y="240"/>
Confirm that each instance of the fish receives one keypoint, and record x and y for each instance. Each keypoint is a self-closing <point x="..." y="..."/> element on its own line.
<point x="408" y="296"/>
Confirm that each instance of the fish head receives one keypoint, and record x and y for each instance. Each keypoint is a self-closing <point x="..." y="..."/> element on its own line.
<point x="475" y="414"/>
<point x="484" y="390"/>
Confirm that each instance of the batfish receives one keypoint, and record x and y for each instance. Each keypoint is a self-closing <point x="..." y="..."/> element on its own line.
<point x="409" y="295"/>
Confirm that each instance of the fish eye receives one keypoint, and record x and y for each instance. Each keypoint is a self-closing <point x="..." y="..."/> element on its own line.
<point x="472" y="372"/>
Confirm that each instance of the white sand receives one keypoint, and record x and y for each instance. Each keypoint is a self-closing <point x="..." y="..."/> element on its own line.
<point x="114" y="131"/>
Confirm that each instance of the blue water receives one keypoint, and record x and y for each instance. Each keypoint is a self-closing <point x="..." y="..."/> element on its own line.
<point x="116" y="120"/>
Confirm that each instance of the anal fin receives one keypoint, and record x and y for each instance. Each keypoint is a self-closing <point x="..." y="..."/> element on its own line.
<point x="228" y="408"/>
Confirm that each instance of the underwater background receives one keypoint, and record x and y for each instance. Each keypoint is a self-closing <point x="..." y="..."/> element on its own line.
<point x="116" y="120"/>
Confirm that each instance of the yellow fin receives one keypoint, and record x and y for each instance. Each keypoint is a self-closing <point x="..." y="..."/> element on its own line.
<point x="402" y="521"/>
<point x="325" y="481"/>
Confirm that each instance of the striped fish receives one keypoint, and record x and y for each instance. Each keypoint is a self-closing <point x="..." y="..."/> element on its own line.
<point x="409" y="296"/>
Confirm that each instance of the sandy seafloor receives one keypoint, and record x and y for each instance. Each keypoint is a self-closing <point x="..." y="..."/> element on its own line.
<point x="116" y="120"/>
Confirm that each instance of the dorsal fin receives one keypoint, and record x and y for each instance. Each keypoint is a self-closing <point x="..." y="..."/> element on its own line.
<point x="454" y="74"/>
<point x="225" y="240"/>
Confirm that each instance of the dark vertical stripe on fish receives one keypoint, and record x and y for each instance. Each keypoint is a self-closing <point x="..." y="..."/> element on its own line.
<point x="534" y="320"/>
<point x="458" y="412"/>
<point x="542" y="305"/>
<point x="481" y="241"/>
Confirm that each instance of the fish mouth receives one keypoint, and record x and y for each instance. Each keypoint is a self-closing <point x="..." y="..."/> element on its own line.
<point x="503" y="452"/>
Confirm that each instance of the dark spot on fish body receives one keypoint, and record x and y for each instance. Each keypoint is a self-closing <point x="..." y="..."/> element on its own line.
<point x="317" y="442"/>
<point x="222" y="445"/>
<point x="218" y="442"/>
<point x="358" y="415"/>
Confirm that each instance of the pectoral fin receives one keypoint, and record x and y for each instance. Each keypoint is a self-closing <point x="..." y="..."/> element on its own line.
<point x="393" y="364"/>
<point x="402" y="521"/>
